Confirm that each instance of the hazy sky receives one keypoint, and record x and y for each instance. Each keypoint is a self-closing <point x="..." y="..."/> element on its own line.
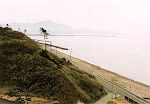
<point x="122" y="16"/>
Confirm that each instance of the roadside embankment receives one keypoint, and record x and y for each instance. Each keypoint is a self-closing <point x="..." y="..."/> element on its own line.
<point x="132" y="86"/>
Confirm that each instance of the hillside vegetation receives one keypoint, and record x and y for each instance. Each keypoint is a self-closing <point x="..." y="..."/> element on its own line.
<point x="26" y="66"/>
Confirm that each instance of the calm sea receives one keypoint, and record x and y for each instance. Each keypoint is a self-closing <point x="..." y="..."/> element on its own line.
<point x="128" y="56"/>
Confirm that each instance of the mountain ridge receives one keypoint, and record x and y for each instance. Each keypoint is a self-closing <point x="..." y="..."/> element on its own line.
<point x="52" y="27"/>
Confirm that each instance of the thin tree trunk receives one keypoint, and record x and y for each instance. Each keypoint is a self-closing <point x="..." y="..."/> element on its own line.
<point x="45" y="42"/>
<point x="26" y="95"/>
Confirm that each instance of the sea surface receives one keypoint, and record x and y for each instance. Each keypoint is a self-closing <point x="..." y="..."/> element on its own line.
<point x="125" y="55"/>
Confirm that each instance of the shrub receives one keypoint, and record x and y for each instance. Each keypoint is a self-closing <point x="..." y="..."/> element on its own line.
<point x="14" y="34"/>
<point x="13" y="91"/>
<point x="24" y="64"/>
<point x="20" y="100"/>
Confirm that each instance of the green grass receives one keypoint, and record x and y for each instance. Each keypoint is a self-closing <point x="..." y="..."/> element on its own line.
<point x="25" y="65"/>
<point x="111" y="102"/>
<point x="92" y="101"/>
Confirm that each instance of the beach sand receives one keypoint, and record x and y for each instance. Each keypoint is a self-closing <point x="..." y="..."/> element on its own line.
<point x="132" y="86"/>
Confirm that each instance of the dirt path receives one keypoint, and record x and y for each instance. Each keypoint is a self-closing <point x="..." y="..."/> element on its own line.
<point x="105" y="99"/>
<point x="136" y="88"/>
<point x="4" y="101"/>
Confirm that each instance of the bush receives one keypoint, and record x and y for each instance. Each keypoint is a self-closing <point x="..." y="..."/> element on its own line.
<point x="20" y="100"/>
<point x="111" y="102"/>
<point x="13" y="91"/>
<point x="14" y="34"/>
<point x="25" y="65"/>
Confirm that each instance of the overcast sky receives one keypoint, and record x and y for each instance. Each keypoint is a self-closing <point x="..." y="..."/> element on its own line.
<point x="122" y="16"/>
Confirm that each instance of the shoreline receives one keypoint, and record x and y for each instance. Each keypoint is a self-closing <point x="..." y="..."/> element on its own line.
<point x="140" y="89"/>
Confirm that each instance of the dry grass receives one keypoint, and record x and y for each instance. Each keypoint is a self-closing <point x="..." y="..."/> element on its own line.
<point x="136" y="88"/>
<point x="120" y="100"/>
<point x="34" y="100"/>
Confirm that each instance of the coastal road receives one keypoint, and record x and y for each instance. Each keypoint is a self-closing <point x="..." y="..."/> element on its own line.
<point x="120" y="91"/>
<point x="114" y="88"/>
<point x="109" y="85"/>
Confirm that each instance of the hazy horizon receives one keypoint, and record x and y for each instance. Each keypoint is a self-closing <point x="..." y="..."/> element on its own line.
<point x="119" y="16"/>
<point x="125" y="56"/>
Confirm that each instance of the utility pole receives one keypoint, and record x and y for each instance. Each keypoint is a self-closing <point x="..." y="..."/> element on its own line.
<point x="130" y="88"/>
<point x="113" y="80"/>
<point x="50" y="45"/>
<point x="93" y="71"/>
<point x="56" y="52"/>
<point x="70" y="53"/>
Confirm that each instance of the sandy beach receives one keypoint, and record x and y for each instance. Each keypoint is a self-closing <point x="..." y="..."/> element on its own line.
<point x="134" y="87"/>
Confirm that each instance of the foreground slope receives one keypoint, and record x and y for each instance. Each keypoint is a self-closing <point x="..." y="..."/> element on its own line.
<point x="25" y="65"/>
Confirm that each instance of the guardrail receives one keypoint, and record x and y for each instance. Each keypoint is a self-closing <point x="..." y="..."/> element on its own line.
<point x="92" y="72"/>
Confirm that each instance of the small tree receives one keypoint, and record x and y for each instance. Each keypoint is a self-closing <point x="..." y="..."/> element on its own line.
<point x="19" y="29"/>
<point x="25" y="30"/>
<point x="45" y="33"/>
<point x="7" y="25"/>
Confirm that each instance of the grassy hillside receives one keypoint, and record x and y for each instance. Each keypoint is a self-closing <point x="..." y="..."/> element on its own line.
<point x="27" y="67"/>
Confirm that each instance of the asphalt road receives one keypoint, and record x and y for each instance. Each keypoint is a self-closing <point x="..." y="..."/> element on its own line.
<point x="116" y="89"/>
<point x="108" y="85"/>
<point x="120" y="91"/>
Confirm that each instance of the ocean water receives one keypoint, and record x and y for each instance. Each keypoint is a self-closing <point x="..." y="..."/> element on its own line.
<point x="127" y="56"/>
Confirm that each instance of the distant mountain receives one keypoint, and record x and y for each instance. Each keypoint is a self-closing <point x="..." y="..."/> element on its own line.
<point x="52" y="27"/>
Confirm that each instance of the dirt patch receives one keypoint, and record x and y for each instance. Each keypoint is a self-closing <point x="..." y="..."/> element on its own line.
<point x="120" y="100"/>
<point x="34" y="100"/>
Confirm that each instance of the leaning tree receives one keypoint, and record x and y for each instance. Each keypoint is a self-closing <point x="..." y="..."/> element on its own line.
<point x="45" y="33"/>
<point x="25" y="30"/>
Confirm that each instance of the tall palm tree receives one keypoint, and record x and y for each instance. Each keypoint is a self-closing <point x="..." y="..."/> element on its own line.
<point x="45" y="33"/>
